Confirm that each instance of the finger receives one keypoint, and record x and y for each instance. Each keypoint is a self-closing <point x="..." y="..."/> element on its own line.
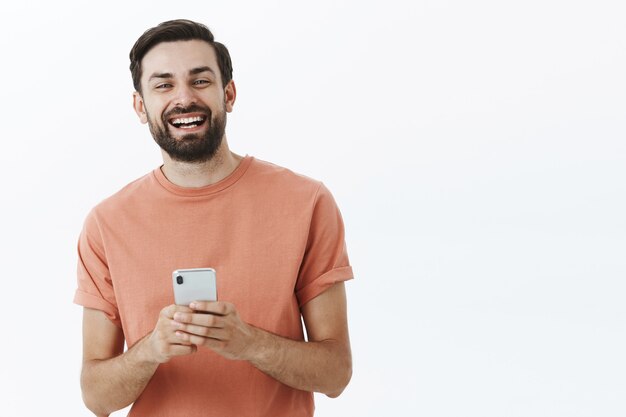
<point x="167" y="336"/>
<point x="206" y="320"/>
<point x="173" y="339"/>
<point x="170" y="310"/>
<point x="220" y="308"/>
<point x="180" y="350"/>
<point x="208" y="332"/>
<point x="212" y="334"/>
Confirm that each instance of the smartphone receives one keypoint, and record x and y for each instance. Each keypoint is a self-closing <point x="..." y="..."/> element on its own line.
<point x="198" y="284"/>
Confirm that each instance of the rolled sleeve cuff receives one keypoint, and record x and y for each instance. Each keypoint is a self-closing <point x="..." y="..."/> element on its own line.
<point x="322" y="283"/>
<point x="91" y="301"/>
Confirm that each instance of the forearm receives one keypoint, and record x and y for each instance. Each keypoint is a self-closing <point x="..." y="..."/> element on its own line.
<point x="112" y="384"/>
<point x="323" y="366"/>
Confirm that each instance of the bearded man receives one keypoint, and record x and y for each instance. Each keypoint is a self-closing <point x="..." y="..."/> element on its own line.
<point x="275" y="239"/>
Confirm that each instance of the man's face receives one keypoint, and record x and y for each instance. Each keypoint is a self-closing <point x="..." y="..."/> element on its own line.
<point x="182" y="99"/>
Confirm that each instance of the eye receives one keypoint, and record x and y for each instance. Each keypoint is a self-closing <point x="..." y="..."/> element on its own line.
<point x="163" y="85"/>
<point x="201" y="82"/>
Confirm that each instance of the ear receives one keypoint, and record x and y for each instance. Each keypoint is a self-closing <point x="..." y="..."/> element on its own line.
<point x="139" y="107"/>
<point x="230" y="94"/>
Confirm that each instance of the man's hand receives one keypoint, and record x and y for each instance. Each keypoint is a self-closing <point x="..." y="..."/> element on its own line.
<point x="322" y="364"/>
<point x="216" y="325"/>
<point x="110" y="379"/>
<point x="163" y="344"/>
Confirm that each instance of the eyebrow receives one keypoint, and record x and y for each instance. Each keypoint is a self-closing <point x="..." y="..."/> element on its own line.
<point x="199" y="70"/>
<point x="194" y="71"/>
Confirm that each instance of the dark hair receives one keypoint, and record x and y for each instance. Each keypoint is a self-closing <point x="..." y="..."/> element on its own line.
<point x="172" y="31"/>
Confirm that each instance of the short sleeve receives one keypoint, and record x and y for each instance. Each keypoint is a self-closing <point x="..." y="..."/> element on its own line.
<point x="95" y="288"/>
<point x="325" y="261"/>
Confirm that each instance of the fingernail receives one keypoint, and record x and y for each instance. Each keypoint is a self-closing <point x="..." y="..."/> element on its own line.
<point x="193" y="306"/>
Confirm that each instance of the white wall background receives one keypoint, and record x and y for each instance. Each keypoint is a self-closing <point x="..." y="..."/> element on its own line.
<point x="476" y="148"/>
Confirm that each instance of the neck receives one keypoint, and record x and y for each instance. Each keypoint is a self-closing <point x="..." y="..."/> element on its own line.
<point x="200" y="174"/>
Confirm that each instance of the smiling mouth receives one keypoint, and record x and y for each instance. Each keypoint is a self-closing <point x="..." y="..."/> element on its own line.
<point x="187" y="122"/>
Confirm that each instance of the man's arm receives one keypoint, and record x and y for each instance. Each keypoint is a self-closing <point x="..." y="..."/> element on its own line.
<point x="323" y="364"/>
<point x="110" y="380"/>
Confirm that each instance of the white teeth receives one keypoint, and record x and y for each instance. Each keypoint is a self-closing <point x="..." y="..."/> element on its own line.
<point x="187" y="120"/>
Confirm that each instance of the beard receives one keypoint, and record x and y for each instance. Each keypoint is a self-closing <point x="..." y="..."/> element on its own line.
<point x="193" y="147"/>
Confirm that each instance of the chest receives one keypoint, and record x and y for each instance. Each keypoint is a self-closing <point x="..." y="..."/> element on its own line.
<point x="255" y="251"/>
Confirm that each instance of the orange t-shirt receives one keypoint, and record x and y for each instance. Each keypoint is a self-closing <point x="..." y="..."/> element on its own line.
<point x="275" y="239"/>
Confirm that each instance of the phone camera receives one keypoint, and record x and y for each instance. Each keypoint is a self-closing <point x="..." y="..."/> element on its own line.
<point x="179" y="279"/>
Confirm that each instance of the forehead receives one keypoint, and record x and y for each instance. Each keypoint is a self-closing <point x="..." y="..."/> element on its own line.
<point x="178" y="58"/>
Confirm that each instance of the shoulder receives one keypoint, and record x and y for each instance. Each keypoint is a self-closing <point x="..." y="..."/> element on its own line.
<point x="266" y="174"/>
<point x="119" y="202"/>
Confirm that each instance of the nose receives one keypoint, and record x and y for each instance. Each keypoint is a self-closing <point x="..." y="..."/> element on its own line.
<point x="185" y="96"/>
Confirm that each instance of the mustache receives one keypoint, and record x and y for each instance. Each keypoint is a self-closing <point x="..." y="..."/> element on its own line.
<point x="193" y="108"/>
